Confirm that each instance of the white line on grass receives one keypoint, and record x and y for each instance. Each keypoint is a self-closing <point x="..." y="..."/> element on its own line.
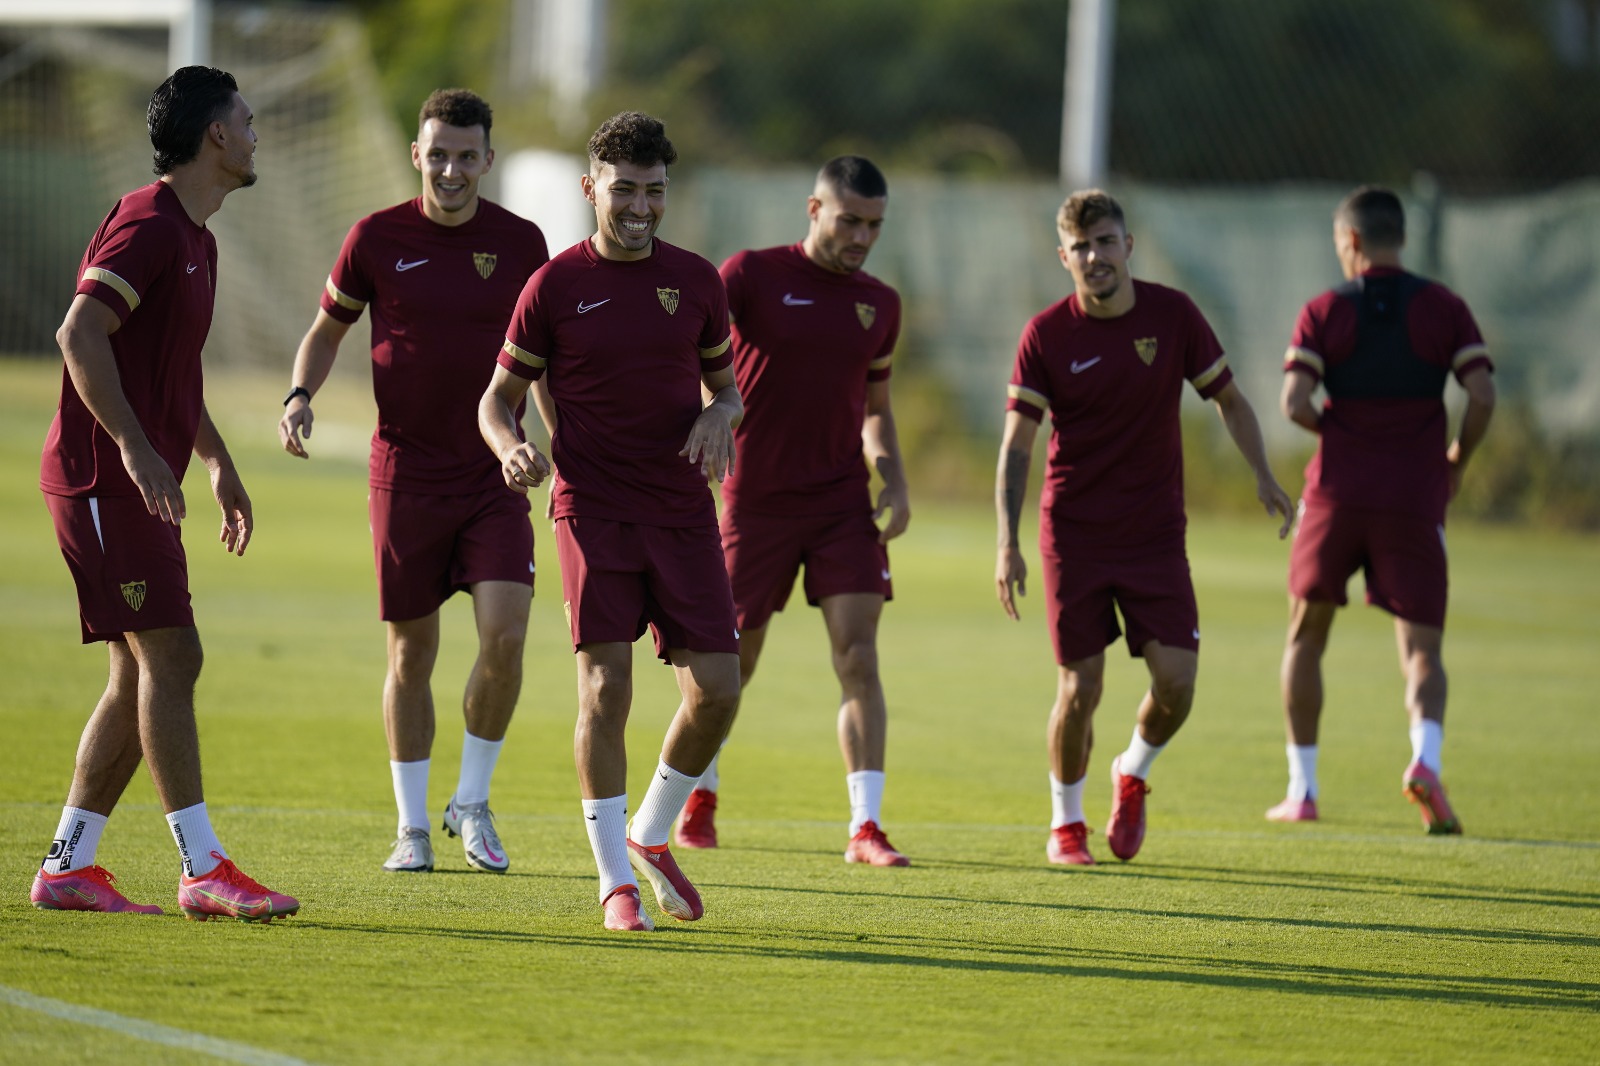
<point x="143" y="1030"/>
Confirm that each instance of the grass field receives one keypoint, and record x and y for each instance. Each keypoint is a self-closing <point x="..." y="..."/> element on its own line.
<point x="1356" y="939"/>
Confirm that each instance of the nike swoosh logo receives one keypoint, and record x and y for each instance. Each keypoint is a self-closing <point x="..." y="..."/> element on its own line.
<point x="583" y="307"/>
<point x="1078" y="368"/>
<point x="191" y="268"/>
<point x="88" y="897"/>
<point x="886" y="575"/>
<point x="663" y="777"/>
<point x="402" y="266"/>
<point x="594" y="817"/>
<point x="795" y="301"/>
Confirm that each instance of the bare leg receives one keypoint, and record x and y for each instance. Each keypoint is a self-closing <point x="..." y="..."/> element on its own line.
<point x="168" y="665"/>
<point x="605" y="695"/>
<point x="852" y="622"/>
<point x="751" y="641"/>
<point x="1309" y="626"/>
<point x="1070" y="734"/>
<point x="407" y="693"/>
<point x="1171" y="694"/>
<point x="109" y="750"/>
<point x="501" y="611"/>
<point x="709" y="682"/>
<point x="1422" y="662"/>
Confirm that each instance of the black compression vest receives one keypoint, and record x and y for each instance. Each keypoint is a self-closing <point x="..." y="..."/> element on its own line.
<point x="1383" y="365"/>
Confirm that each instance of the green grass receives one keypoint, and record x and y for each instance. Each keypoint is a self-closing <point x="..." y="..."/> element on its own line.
<point x="1357" y="939"/>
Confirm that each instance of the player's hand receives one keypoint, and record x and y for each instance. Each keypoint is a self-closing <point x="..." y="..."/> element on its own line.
<point x="524" y="467"/>
<point x="238" y="518"/>
<point x="710" y="443"/>
<point x="296" y="420"/>
<point x="1452" y="458"/>
<point x="896" y="502"/>
<point x="1009" y="570"/>
<point x="163" y="496"/>
<point x="1276" y="501"/>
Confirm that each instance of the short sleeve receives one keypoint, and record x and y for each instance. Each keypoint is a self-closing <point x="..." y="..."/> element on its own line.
<point x="882" y="364"/>
<point x="1204" y="363"/>
<point x="716" y="348"/>
<point x="530" y="337"/>
<point x="1468" y="350"/>
<point x="127" y="261"/>
<point x="349" y="287"/>
<point x="1306" y="345"/>
<point x="735" y="283"/>
<point x="1029" y="390"/>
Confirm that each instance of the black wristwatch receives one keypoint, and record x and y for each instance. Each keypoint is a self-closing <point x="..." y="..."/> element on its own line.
<point x="298" y="390"/>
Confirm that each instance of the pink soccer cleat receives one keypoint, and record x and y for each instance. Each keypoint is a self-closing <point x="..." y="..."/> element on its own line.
<point x="870" y="846"/>
<point x="1422" y="786"/>
<point x="624" y="912"/>
<point x="1293" y="810"/>
<point x="697" y="827"/>
<point x="1125" y="827"/>
<point x="1069" y="845"/>
<point x="674" y="893"/>
<point x="88" y="889"/>
<point x="229" y="892"/>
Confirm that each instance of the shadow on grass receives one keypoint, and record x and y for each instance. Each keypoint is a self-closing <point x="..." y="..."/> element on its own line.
<point x="973" y="956"/>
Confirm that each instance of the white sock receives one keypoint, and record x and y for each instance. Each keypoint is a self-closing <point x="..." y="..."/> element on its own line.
<point x="198" y="845"/>
<point x="1066" y="802"/>
<point x="478" y="757"/>
<point x="866" y="798"/>
<point x="1427" y="744"/>
<point x="607" y="823"/>
<point x="708" y="781"/>
<point x="411" y="793"/>
<point x="1302" y="771"/>
<point x="663" y="802"/>
<point x="1137" y="759"/>
<point x="76" y="841"/>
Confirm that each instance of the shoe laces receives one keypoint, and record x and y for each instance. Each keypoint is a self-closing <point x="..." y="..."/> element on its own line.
<point x="98" y="874"/>
<point x="229" y="874"/>
<point x="485" y="819"/>
<point x="1131" y="788"/>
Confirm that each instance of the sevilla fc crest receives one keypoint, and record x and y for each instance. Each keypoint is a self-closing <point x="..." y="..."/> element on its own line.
<point x="867" y="314"/>
<point x="669" y="300"/>
<point x="134" y="592"/>
<point x="485" y="263"/>
<point x="1146" y="347"/>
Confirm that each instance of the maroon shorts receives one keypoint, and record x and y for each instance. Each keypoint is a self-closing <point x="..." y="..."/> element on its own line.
<point x="1402" y="556"/>
<point x="427" y="548"/>
<point x="1084" y="588"/>
<point x="841" y="555"/>
<point x="128" y="565"/>
<point x="619" y="578"/>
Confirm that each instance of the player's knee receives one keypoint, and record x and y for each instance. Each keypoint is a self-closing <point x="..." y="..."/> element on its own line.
<point x="856" y="664"/>
<point x="501" y="648"/>
<point x="1174" y="690"/>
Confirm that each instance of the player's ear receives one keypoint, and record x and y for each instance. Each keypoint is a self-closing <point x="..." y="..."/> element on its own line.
<point x="488" y="159"/>
<point x="813" y="207"/>
<point x="1128" y="242"/>
<point x="587" y="182"/>
<point x="416" y="155"/>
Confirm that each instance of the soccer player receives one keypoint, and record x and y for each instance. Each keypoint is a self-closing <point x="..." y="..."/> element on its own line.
<point x="1382" y="347"/>
<point x="629" y="328"/>
<point x="441" y="273"/>
<point x="132" y="410"/>
<point x="1107" y="364"/>
<point x="813" y="335"/>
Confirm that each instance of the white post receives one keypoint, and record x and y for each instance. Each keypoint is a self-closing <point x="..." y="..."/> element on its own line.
<point x="189" y="39"/>
<point x="1086" y="107"/>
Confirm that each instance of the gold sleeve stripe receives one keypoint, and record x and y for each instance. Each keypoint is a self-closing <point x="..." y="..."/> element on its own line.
<point x="712" y="353"/>
<point x="1305" y="357"/>
<point x="522" y="355"/>
<point x="881" y="364"/>
<point x="1211" y="373"/>
<point x="105" y="277"/>
<point x="1029" y="396"/>
<point x="349" y="303"/>
<point x="1468" y="354"/>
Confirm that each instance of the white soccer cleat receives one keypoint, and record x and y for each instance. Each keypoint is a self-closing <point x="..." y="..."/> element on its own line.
<point x="474" y="824"/>
<point x="413" y="852"/>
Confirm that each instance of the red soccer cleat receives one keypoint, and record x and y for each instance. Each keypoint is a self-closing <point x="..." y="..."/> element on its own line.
<point x="674" y="893"/>
<point x="1293" y="810"/>
<point x="624" y="912"/>
<point x="870" y="846"/>
<point x="1069" y="845"/>
<point x="1125" y="827"/>
<point x="88" y="889"/>
<point x="1422" y="786"/>
<point x="229" y="892"/>
<point x="697" y="827"/>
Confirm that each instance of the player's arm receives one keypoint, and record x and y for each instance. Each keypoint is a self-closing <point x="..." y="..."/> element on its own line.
<point x="1010" y="490"/>
<point x="521" y="462"/>
<point x="710" y="440"/>
<point x="1295" y="401"/>
<point x="1479" y="384"/>
<point x="1240" y="418"/>
<point x="312" y="364"/>
<point x="238" y="518"/>
<point x="881" y="446"/>
<point x="85" y="340"/>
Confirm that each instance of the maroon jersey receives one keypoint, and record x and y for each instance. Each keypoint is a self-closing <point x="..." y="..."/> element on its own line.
<point x="441" y="297"/>
<point x="1383" y="346"/>
<point x="151" y="264"/>
<point x="626" y="343"/>
<point x="1112" y="388"/>
<point x="806" y="341"/>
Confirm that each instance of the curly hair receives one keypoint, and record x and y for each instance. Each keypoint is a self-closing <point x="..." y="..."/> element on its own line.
<point x="1086" y="208"/>
<point x="632" y="137"/>
<point x="457" y="107"/>
<point x="180" y="110"/>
